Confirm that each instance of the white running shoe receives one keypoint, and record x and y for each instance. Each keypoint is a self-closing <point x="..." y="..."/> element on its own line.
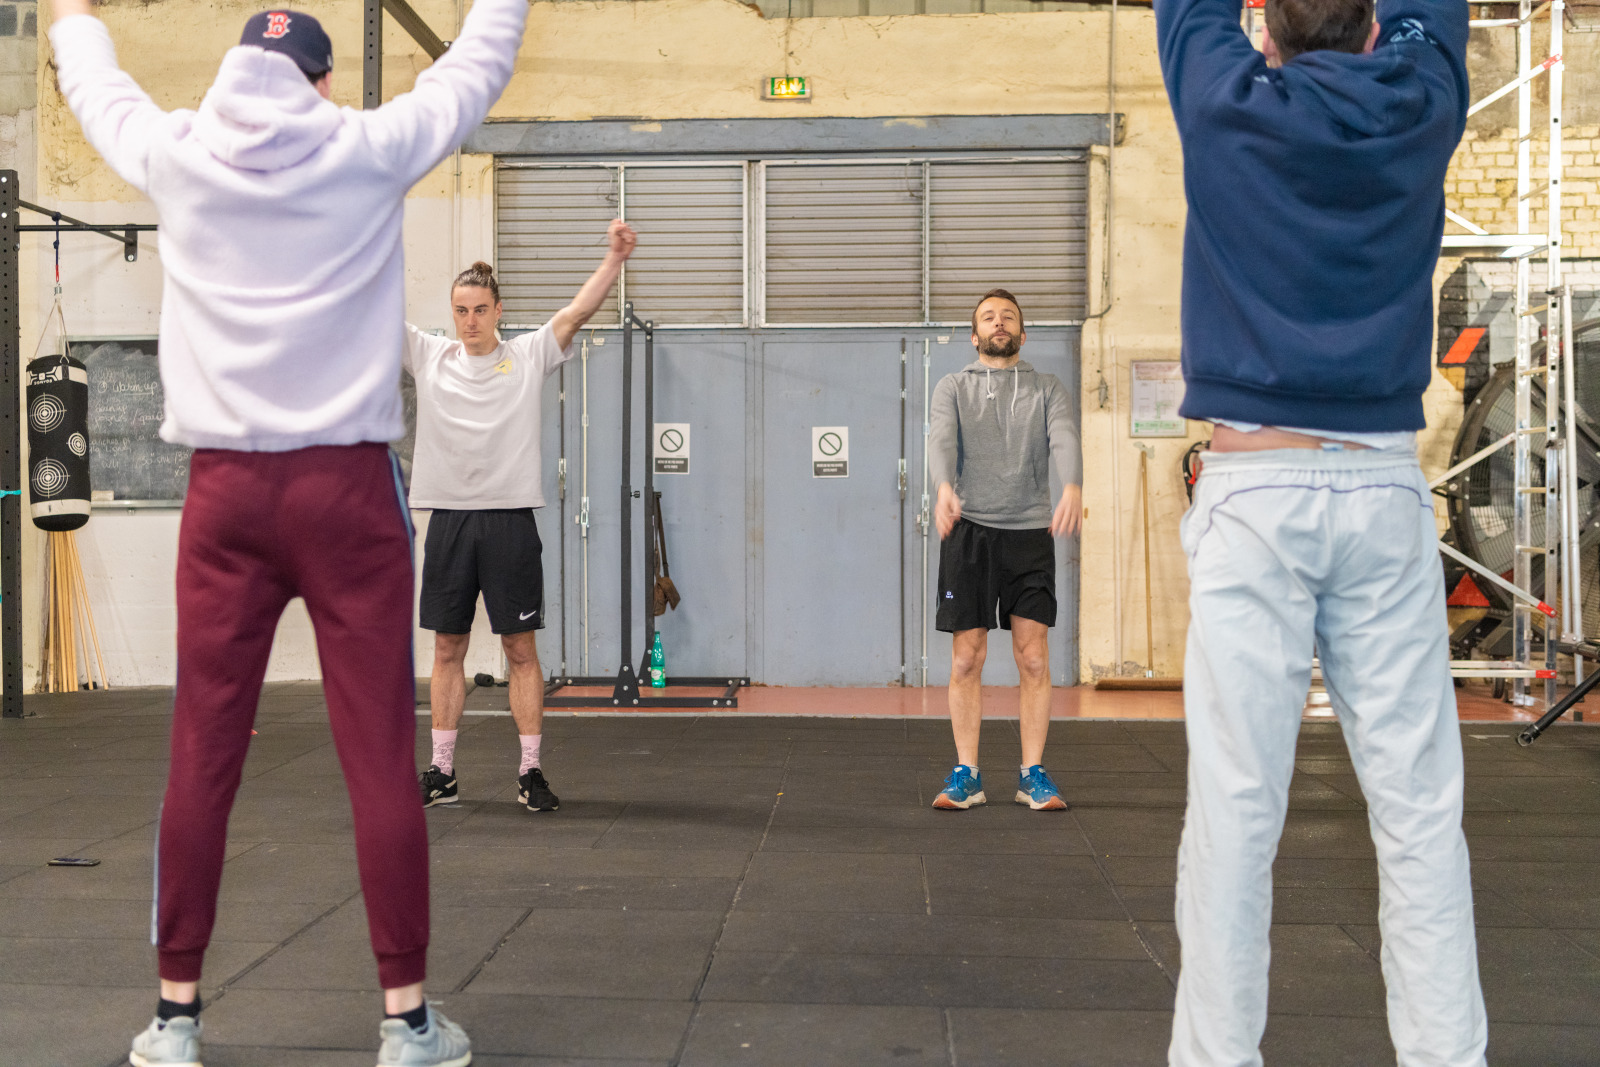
<point x="167" y="1043"/>
<point x="440" y="1044"/>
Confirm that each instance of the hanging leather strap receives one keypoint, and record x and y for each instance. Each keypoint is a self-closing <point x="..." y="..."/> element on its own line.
<point x="661" y="538"/>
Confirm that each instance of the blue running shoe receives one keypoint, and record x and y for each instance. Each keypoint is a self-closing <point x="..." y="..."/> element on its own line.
<point x="1035" y="789"/>
<point x="962" y="789"/>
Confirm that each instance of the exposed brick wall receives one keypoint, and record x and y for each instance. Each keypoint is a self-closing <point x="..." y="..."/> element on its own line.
<point x="1482" y="186"/>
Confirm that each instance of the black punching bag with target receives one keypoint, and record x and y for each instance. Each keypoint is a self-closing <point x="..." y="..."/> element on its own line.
<point x="58" y="442"/>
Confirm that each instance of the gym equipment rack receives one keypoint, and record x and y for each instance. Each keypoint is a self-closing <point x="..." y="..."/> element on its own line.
<point x="11" y="228"/>
<point x="625" y="689"/>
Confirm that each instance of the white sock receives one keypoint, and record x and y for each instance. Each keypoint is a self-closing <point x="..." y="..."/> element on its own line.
<point x="444" y="750"/>
<point x="530" y="752"/>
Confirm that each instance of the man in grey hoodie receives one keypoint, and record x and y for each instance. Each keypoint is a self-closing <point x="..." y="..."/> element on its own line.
<point x="996" y="430"/>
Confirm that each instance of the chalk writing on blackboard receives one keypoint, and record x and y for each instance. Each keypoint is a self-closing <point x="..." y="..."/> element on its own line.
<point x="127" y="458"/>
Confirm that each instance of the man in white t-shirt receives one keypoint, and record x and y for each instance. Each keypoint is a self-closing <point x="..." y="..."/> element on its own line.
<point x="477" y="467"/>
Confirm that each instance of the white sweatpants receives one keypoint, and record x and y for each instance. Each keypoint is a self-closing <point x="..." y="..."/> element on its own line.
<point x="1291" y="551"/>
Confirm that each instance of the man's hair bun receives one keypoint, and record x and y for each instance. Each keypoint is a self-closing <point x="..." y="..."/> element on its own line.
<point x="481" y="275"/>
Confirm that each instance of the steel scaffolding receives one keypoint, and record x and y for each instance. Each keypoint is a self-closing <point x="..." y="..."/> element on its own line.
<point x="1558" y="541"/>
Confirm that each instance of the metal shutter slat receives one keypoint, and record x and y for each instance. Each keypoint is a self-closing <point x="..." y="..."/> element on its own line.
<point x="1011" y="225"/>
<point x="689" y="267"/>
<point x="551" y="225"/>
<point x="843" y="243"/>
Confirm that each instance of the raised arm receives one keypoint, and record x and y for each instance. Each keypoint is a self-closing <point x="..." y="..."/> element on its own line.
<point x="1444" y="21"/>
<point x="116" y="115"/>
<point x="415" y="130"/>
<point x="1434" y="31"/>
<point x="569" y="320"/>
<point x="1202" y="47"/>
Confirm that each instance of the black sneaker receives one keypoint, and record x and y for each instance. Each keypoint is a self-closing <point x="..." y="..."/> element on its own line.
<point x="534" y="791"/>
<point x="437" y="787"/>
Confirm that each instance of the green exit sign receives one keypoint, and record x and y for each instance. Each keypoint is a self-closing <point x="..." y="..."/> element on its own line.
<point x="786" y="88"/>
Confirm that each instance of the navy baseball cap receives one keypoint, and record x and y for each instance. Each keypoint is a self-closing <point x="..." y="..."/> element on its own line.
<point x="295" y="34"/>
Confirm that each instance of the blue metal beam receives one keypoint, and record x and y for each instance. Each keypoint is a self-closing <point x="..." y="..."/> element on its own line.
<point x="767" y="138"/>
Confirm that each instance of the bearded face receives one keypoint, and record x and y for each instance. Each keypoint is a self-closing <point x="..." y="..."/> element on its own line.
<point x="1000" y="345"/>
<point x="997" y="328"/>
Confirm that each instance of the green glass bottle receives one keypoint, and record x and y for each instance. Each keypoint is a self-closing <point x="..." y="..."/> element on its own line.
<point x="658" y="664"/>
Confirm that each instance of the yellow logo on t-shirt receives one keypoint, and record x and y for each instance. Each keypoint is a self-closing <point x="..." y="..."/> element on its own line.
<point x="504" y="366"/>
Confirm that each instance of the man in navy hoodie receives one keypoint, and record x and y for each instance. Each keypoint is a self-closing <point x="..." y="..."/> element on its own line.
<point x="1314" y="172"/>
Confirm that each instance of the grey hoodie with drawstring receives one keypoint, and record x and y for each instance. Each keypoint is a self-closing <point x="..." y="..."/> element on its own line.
<point x="995" y="434"/>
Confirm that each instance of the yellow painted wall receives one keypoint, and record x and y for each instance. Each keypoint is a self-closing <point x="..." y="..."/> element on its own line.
<point x="670" y="59"/>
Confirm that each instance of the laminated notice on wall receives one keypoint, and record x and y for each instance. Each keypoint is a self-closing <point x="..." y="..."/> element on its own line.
<point x="672" y="448"/>
<point x="1157" y="394"/>
<point x="830" y="451"/>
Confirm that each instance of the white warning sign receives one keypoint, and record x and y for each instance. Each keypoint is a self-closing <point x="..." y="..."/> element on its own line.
<point x="672" y="448"/>
<point x="830" y="451"/>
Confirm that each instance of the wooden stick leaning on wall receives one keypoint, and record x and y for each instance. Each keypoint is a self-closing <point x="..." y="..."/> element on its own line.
<point x="56" y="634"/>
<point x="1149" y="593"/>
<point x="1148" y="680"/>
<point x="68" y="626"/>
<point x="88" y="616"/>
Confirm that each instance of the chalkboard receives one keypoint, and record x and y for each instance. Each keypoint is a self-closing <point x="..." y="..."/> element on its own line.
<point x="128" y="461"/>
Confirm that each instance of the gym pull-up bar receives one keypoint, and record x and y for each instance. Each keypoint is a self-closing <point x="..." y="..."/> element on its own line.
<point x="127" y="236"/>
<point x="625" y="691"/>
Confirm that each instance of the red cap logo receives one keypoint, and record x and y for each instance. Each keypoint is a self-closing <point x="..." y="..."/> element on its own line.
<point x="277" y="25"/>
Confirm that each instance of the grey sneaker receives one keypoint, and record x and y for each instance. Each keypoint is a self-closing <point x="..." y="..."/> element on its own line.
<point x="171" y="1043"/>
<point x="441" y="1044"/>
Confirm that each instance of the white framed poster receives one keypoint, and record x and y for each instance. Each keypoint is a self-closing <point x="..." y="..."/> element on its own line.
<point x="1157" y="394"/>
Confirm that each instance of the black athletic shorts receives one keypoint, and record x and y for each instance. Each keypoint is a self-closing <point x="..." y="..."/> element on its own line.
<point x="496" y="552"/>
<point x="988" y="575"/>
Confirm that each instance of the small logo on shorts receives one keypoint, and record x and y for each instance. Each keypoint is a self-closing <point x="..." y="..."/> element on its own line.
<point x="527" y="615"/>
<point x="950" y="594"/>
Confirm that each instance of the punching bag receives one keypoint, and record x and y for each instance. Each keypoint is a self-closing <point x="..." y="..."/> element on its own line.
<point x="58" y="442"/>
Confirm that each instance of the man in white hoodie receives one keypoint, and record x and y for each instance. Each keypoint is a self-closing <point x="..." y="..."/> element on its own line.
<point x="282" y="327"/>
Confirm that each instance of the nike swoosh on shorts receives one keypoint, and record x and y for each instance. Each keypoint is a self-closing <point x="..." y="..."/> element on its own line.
<point x="525" y="617"/>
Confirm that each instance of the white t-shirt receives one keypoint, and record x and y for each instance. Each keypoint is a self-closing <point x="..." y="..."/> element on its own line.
<point x="478" y="420"/>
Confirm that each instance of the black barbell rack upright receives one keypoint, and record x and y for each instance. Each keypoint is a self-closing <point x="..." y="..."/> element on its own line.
<point x="625" y="687"/>
<point x="10" y="453"/>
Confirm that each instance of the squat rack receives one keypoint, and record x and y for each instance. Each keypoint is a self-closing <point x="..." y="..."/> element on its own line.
<point x="625" y="690"/>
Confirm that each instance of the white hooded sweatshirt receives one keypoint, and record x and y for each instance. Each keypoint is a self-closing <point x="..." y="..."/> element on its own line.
<point x="283" y="311"/>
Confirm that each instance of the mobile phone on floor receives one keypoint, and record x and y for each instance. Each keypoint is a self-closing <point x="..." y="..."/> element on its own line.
<point x="73" y="861"/>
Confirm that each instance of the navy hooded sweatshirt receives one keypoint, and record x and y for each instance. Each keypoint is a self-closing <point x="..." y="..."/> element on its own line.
<point x="1316" y="207"/>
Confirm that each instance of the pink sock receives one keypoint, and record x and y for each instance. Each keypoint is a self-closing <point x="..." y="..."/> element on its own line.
<point x="530" y="752"/>
<point x="444" y="750"/>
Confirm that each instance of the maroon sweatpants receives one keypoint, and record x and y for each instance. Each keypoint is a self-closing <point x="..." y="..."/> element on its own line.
<point x="327" y="524"/>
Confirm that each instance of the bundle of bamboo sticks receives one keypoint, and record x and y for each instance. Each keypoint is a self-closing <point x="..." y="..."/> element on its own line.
<point x="69" y="623"/>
